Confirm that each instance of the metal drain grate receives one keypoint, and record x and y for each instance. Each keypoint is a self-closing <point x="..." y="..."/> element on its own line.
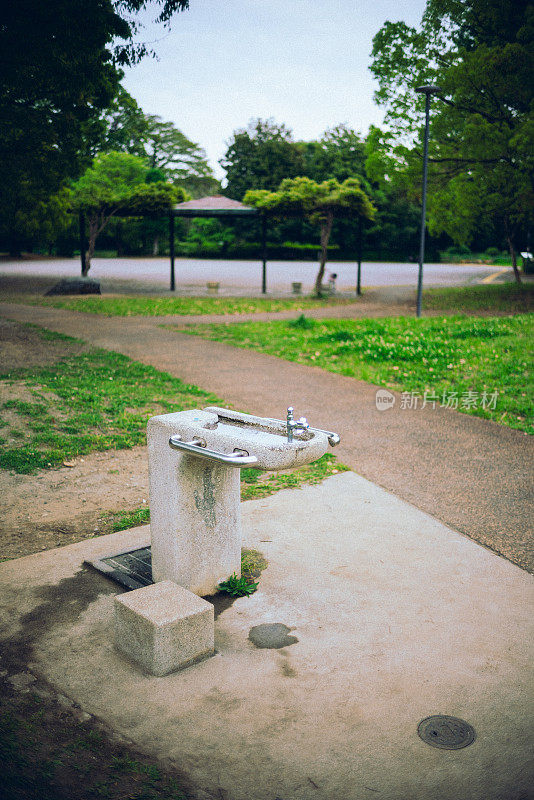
<point x="447" y="733"/>
<point x="132" y="569"/>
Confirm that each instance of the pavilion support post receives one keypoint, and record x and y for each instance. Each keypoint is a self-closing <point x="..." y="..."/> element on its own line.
<point x="83" y="243"/>
<point x="171" y="250"/>
<point x="264" y="254"/>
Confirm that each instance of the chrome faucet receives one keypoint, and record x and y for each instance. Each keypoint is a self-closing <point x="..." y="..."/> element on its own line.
<point x="293" y="425"/>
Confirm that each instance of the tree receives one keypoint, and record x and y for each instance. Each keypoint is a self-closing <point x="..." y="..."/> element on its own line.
<point x="59" y="68"/>
<point x="395" y="231"/>
<point x="339" y="154"/>
<point x="114" y="184"/>
<point x="170" y="151"/>
<point x="318" y="202"/>
<point x="481" y="53"/>
<point x="170" y="154"/>
<point x="259" y="157"/>
<point x="124" y="127"/>
<point x="127" y="52"/>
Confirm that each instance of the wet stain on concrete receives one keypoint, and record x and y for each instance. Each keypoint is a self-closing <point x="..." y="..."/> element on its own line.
<point x="205" y="503"/>
<point x="272" y="636"/>
<point x="286" y="669"/>
<point x="59" y="605"/>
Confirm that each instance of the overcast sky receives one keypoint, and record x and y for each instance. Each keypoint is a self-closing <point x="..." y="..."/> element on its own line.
<point x="303" y="62"/>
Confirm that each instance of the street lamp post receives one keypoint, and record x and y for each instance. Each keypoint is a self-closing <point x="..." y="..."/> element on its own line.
<point x="359" y="278"/>
<point x="427" y="91"/>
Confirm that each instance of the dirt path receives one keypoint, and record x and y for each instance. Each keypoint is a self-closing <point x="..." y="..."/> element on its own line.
<point x="472" y="474"/>
<point x="62" y="506"/>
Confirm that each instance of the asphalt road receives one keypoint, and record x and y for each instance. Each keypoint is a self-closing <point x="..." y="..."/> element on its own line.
<point x="246" y="275"/>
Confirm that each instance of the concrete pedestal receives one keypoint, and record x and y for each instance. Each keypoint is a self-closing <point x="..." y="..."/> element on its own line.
<point x="194" y="509"/>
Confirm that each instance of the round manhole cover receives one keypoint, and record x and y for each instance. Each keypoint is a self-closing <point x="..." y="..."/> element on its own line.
<point x="447" y="733"/>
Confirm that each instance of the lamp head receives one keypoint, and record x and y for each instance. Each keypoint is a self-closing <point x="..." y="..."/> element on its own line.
<point x="428" y="89"/>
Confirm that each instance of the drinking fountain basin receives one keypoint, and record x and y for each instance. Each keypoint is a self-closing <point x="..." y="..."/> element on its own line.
<point x="194" y="462"/>
<point x="259" y="442"/>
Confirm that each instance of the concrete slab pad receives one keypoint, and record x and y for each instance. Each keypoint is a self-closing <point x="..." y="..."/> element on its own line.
<point x="370" y="617"/>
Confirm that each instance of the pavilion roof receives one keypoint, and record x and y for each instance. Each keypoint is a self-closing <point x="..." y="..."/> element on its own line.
<point x="213" y="206"/>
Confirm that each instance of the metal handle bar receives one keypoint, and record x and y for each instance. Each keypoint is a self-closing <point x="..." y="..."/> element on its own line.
<point x="333" y="438"/>
<point x="236" y="459"/>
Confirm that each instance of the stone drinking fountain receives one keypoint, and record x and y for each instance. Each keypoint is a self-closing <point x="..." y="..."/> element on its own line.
<point x="194" y="460"/>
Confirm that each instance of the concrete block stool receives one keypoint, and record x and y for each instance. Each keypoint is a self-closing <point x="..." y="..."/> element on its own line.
<point x="163" y="627"/>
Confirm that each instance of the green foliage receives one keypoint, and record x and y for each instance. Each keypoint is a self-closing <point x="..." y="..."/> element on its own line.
<point x="60" y="64"/>
<point x="152" y="198"/>
<point x="508" y="298"/>
<point x="126" y="128"/>
<point x="256" y="484"/>
<point x="442" y="354"/>
<point x="318" y="202"/>
<point x="53" y="78"/>
<point x="122" y="127"/>
<point x="122" y="520"/>
<point x="115" y="184"/>
<point x="396" y="227"/>
<point x="238" y="587"/>
<point x="109" y="182"/>
<point x="302" y="322"/>
<point x="169" y="150"/>
<point x="339" y="154"/>
<point x="210" y="233"/>
<point x="480" y="52"/>
<point x="259" y="157"/>
<point x="172" y="160"/>
<point x="304" y="196"/>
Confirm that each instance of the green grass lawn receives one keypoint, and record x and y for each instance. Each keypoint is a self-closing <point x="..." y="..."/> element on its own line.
<point x="129" y="306"/>
<point x="458" y="360"/>
<point x="509" y="298"/>
<point x="101" y="400"/>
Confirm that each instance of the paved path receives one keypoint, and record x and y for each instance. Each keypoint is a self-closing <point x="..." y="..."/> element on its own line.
<point x="364" y="624"/>
<point x="472" y="474"/>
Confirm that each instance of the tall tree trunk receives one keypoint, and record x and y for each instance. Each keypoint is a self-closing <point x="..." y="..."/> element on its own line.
<point x="97" y="223"/>
<point x="155" y="246"/>
<point x="15" y="247"/>
<point x="326" y="230"/>
<point x="91" y="243"/>
<point x="118" y="240"/>
<point x="513" y="254"/>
